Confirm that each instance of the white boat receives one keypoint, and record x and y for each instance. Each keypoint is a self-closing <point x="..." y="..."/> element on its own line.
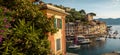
<point x="118" y="52"/>
<point x="100" y="39"/>
<point x="80" y="38"/>
<point x="85" y="41"/>
<point x="74" y="46"/>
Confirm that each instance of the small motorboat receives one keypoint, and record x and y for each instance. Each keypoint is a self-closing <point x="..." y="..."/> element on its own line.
<point x="85" y="41"/>
<point x="118" y="52"/>
<point x="100" y="39"/>
<point x="80" y="38"/>
<point x="74" y="46"/>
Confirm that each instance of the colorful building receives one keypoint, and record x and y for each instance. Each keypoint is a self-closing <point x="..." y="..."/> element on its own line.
<point x="57" y="40"/>
<point x="70" y="29"/>
<point x="92" y="27"/>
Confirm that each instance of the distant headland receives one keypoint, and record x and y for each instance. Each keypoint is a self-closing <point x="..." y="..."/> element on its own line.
<point x="110" y="21"/>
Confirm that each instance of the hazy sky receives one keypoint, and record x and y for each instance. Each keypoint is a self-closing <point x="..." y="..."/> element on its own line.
<point x="103" y="8"/>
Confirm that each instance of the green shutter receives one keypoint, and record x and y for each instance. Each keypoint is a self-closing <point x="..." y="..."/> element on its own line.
<point x="61" y="23"/>
<point x="55" y="22"/>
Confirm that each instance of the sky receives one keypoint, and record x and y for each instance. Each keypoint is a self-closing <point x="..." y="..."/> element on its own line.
<point x="102" y="8"/>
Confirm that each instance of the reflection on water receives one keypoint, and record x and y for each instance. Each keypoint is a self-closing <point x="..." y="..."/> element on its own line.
<point x="99" y="47"/>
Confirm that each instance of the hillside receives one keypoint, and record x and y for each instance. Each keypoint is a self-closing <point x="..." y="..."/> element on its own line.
<point x="110" y="21"/>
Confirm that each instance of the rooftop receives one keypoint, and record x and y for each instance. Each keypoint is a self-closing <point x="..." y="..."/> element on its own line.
<point x="52" y="7"/>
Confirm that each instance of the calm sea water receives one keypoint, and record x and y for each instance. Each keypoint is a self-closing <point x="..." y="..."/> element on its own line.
<point x="99" y="47"/>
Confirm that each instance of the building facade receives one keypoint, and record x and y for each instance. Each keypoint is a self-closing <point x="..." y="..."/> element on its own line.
<point x="93" y="27"/>
<point x="70" y="29"/>
<point x="57" y="40"/>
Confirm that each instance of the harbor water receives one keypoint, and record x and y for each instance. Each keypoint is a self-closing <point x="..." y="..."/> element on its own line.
<point x="99" y="47"/>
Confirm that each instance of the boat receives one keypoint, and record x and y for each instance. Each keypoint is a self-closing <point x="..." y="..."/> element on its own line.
<point x="80" y="38"/>
<point x="100" y="39"/>
<point x="115" y="34"/>
<point x="83" y="40"/>
<point x="74" y="46"/>
<point x="118" y="52"/>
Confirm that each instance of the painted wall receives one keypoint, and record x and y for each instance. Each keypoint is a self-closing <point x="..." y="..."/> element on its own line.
<point x="59" y="35"/>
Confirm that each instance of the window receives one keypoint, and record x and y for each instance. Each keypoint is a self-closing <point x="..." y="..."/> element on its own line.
<point x="58" y="44"/>
<point x="57" y="23"/>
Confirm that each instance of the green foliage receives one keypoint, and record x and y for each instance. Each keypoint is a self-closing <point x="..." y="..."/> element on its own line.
<point x="28" y="32"/>
<point x="76" y="15"/>
<point x="30" y="39"/>
<point x="93" y="14"/>
<point x="5" y="30"/>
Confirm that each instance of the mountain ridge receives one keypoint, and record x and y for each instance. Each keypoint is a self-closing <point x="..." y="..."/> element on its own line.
<point x="110" y="21"/>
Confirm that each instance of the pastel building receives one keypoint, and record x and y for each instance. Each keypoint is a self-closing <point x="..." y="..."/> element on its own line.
<point x="70" y="29"/>
<point x="57" y="40"/>
<point x="89" y="17"/>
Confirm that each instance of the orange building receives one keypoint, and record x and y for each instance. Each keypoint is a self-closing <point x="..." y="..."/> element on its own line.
<point x="57" y="40"/>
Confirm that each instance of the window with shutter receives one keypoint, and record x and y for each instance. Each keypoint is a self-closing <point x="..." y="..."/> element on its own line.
<point x="58" y="23"/>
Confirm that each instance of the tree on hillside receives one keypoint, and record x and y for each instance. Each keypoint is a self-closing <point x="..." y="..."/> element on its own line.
<point x="82" y="12"/>
<point x="83" y="15"/>
<point x="93" y="14"/>
<point x="28" y="32"/>
<point x="74" y="15"/>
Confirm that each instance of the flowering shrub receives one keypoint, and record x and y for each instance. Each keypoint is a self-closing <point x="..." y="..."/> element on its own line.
<point x="4" y="23"/>
<point x="26" y="33"/>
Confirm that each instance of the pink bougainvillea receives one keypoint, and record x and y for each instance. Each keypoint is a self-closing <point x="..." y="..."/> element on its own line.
<point x="1" y="38"/>
<point x="4" y="23"/>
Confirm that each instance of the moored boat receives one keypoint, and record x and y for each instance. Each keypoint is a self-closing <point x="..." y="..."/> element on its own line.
<point x="118" y="52"/>
<point x="100" y="39"/>
<point x="74" y="46"/>
<point x="85" y="41"/>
